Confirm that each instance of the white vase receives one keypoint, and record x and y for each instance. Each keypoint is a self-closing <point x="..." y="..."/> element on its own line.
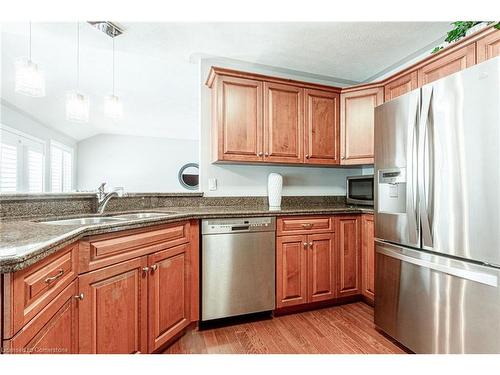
<point x="274" y="189"/>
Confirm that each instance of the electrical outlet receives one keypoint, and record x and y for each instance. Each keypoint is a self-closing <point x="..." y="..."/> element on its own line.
<point x="212" y="184"/>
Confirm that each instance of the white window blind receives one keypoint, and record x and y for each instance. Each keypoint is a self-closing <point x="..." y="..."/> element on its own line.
<point x="22" y="162"/>
<point x="61" y="168"/>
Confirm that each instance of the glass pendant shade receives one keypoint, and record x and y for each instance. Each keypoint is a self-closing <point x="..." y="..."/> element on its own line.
<point x="113" y="107"/>
<point x="77" y="107"/>
<point x="30" y="80"/>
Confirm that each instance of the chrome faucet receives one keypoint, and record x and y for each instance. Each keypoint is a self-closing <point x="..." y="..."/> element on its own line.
<point x="104" y="198"/>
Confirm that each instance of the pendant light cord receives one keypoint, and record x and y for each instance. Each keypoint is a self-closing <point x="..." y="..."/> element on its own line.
<point x="29" y="48"/>
<point x="78" y="56"/>
<point x="113" y="66"/>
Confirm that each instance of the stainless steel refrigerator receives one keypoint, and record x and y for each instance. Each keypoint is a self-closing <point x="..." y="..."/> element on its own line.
<point x="437" y="214"/>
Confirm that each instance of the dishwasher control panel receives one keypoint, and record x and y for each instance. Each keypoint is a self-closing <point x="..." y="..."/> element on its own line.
<point x="234" y="225"/>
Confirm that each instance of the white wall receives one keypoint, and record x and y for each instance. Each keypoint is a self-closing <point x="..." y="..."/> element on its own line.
<point x="15" y="118"/>
<point x="251" y="180"/>
<point x="139" y="164"/>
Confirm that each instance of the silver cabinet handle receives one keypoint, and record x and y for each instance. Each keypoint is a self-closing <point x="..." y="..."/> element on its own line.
<point x="154" y="267"/>
<point x="260" y="153"/>
<point x="80" y="297"/>
<point x="266" y="154"/>
<point x="48" y="280"/>
<point x="145" y="269"/>
<point x="307" y="156"/>
<point x="310" y="244"/>
<point x="305" y="245"/>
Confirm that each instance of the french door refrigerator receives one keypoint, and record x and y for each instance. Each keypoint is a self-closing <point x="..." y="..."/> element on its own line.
<point x="437" y="214"/>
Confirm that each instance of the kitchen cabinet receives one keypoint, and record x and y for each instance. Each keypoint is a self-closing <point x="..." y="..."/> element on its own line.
<point x="348" y="237"/>
<point x="53" y="331"/>
<point x="113" y="309"/>
<point x="283" y="123"/>
<point x="305" y="270"/>
<point x="291" y="270"/>
<point x="263" y="119"/>
<point x="488" y="46"/>
<point x="368" y="257"/>
<point x="400" y="85"/>
<point x="238" y="126"/>
<point x="447" y="63"/>
<point x="321" y="136"/>
<point x="357" y="121"/>
<point x="169" y="294"/>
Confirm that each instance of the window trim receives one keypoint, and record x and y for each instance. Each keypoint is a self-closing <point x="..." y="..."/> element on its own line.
<point x="66" y="148"/>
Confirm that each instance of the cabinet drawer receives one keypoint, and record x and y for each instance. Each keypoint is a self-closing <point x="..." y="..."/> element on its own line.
<point x="103" y="250"/>
<point x="304" y="225"/>
<point x="53" y="331"/>
<point x="28" y="291"/>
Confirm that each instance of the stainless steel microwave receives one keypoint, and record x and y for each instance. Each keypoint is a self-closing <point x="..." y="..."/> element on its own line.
<point x="360" y="190"/>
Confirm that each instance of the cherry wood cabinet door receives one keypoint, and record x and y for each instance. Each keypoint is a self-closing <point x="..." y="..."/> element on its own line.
<point x="291" y="271"/>
<point x="368" y="256"/>
<point x="357" y="122"/>
<point x="489" y="46"/>
<point x="239" y="119"/>
<point x="401" y="86"/>
<point x="349" y="281"/>
<point x="321" y="135"/>
<point x="113" y="309"/>
<point x="447" y="64"/>
<point x="321" y="254"/>
<point x="53" y="331"/>
<point x="169" y="294"/>
<point x="283" y="123"/>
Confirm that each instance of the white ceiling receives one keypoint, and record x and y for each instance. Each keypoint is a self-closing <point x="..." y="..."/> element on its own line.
<point x="158" y="81"/>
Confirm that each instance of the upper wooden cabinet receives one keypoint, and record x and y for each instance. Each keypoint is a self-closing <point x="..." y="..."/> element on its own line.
<point x="446" y="64"/>
<point x="283" y="123"/>
<point x="400" y="86"/>
<point x="238" y="119"/>
<point x="321" y="131"/>
<point x="488" y="46"/>
<point x="262" y="119"/>
<point x="357" y="119"/>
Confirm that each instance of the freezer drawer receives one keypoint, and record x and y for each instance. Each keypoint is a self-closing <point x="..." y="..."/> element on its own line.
<point x="435" y="304"/>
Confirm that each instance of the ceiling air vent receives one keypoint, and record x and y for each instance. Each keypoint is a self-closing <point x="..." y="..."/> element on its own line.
<point x="109" y="28"/>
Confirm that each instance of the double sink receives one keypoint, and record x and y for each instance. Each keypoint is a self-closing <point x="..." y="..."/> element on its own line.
<point x="108" y="219"/>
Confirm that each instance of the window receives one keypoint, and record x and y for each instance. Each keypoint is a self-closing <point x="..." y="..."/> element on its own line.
<point x="61" y="168"/>
<point x="22" y="162"/>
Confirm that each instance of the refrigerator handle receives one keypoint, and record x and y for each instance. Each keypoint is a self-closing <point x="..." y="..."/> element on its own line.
<point x="462" y="272"/>
<point x="412" y="169"/>
<point x="425" y="167"/>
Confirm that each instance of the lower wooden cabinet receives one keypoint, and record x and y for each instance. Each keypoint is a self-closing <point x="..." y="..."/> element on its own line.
<point x="349" y="274"/>
<point x="367" y="257"/>
<point x="113" y="309"/>
<point x="305" y="269"/>
<point x="53" y="331"/>
<point x="169" y="294"/>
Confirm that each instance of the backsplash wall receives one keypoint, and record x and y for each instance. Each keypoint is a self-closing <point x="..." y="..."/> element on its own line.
<point x="251" y="180"/>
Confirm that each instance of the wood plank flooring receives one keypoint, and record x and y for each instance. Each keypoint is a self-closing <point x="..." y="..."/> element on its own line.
<point x="345" y="329"/>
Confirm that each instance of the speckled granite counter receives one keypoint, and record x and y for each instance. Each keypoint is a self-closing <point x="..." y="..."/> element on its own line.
<point x="23" y="242"/>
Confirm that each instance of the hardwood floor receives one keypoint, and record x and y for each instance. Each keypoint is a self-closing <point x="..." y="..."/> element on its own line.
<point x="345" y="329"/>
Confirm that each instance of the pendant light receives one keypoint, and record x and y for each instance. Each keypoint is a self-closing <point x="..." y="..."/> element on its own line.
<point x="112" y="104"/>
<point x="29" y="78"/>
<point x="77" y="103"/>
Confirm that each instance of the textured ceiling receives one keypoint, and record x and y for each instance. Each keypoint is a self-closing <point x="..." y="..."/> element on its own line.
<point x="158" y="81"/>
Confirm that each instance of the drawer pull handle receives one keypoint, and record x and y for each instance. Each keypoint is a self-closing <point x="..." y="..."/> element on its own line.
<point x="307" y="225"/>
<point x="48" y="280"/>
<point x="80" y="297"/>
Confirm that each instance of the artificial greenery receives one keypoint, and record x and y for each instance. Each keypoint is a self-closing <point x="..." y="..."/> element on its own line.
<point x="460" y="30"/>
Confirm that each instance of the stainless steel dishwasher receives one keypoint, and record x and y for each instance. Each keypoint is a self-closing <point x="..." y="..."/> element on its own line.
<point x="237" y="266"/>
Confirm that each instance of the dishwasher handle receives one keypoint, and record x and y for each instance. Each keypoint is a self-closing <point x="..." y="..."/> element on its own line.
<point x="240" y="227"/>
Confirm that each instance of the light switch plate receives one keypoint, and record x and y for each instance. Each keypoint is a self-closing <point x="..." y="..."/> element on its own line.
<point x="212" y="184"/>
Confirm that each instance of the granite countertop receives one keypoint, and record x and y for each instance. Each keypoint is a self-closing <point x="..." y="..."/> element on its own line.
<point x="23" y="242"/>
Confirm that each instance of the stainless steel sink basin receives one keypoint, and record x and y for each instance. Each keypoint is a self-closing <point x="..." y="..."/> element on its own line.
<point x="142" y="215"/>
<point x="85" y="221"/>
